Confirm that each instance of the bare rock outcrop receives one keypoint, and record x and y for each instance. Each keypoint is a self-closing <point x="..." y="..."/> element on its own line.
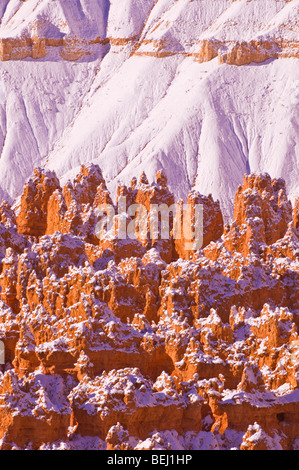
<point x="136" y="342"/>
<point x="32" y="218"/>
<point x="262" y="214"/>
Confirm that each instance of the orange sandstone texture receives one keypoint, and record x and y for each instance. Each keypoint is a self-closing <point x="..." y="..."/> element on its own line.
<point x="70" y="47"/>
<point x="143" y="343"/>
<point x="73" y="48"/>
<point x="32" y="219"/>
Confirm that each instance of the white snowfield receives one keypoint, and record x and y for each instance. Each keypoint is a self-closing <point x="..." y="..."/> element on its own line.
<point x="139" y="99"/>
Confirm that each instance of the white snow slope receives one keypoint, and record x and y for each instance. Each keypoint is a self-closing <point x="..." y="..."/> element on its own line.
<point x="140" y="100"/>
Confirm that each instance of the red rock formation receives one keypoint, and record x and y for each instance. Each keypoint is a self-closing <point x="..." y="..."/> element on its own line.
<point x="126" y="397"/>
<point x="70" y="48"/>
<point x="31" y="412"/>
<point x="73" y="209"/>
<point x="262" y="214"/>
<point x="8" y="280"/>
<point x="296" y="214"/>
<point x="198" y="225"/>
<point x="208" y="50"/>
<point x="248" y="52"/>
<point x="117" y="438"/>
<point x="32" y="218"/>
<point x="257" y="439"/>
<point x="98" y="331"/>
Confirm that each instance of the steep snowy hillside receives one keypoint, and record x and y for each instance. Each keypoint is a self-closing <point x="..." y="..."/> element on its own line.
<point x="206" y="90"/>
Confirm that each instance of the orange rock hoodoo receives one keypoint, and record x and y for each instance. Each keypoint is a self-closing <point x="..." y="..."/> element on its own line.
<point x="121" y="343"/>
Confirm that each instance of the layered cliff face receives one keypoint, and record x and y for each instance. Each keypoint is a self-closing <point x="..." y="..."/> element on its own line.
<point x="205" y="90"/>
<point x="239" y="32"/>
<point x="141" y="343"/>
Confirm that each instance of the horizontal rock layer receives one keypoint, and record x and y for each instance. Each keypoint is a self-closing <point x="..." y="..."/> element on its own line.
<point x="72" y="49"/>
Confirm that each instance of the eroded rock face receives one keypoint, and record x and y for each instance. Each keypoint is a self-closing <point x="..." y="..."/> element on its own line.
<point x="73" y="209"/>
<point x="257" y="439"/>
<point x="141" y="343"/>
<point x="256" y="51"/>
<point x="32" y="218"/>
<point x="262" y="214"/>
<point x="32" y="410"/>
<point x="231" y="51"/>
<point x="141" y="406"/>
<point x="205" y="210"/>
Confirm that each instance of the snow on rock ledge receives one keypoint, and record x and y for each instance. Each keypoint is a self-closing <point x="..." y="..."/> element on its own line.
<point x="262" y="29"/>
<point x="134" y="344"/>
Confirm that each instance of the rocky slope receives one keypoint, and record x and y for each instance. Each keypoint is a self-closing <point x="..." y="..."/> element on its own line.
<point x="140" y="343"/>
<point x="205" y="90"/>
